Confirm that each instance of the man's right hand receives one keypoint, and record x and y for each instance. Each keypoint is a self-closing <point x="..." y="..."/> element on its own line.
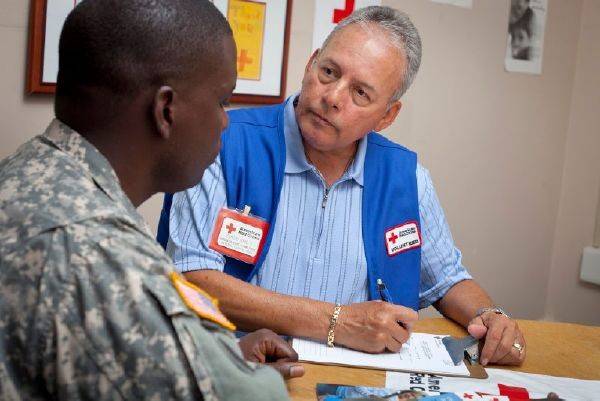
<point x="374" y="326"/>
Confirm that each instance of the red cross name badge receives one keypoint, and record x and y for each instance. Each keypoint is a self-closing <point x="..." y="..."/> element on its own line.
<point x="402" y="238"/>
<point x="239" y="235"/>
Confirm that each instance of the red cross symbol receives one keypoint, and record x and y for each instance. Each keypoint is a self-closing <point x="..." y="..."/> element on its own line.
<point x="339" y="15"/>
<point x="243" y="60"/>
<point x="230" y="228"/>
<point x="393" y="238"/>
<point x="469" y="396"/>
<point x="513" y="392"/>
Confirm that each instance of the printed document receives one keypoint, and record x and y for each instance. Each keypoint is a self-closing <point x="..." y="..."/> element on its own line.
<point x="421" y="353"/>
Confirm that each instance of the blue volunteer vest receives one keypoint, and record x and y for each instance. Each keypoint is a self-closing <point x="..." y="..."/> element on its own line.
<point x="253" y="160"/>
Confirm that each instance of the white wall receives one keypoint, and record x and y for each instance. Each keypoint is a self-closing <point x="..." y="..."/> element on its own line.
<point x="21" y="117"/>
<point x="570" y="299"/>
<point x="512" y="155"/>
<point x="494" y="141"/>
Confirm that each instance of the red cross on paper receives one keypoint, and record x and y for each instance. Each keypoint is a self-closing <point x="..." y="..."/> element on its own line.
<point x="393" y="238"/>
<point x="230" y="228"/>
<point x="339" y="15"/>
<point x="513" y="393"/>
<point x="243" y="60"/>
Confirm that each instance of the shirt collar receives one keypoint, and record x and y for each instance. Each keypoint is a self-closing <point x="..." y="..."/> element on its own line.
<point x="295" y="158"/>
<point x="95" y="165"/>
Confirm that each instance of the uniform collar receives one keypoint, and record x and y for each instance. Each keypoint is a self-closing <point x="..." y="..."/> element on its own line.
<point x="95" y="165"/>
<point x="295" y="158"/>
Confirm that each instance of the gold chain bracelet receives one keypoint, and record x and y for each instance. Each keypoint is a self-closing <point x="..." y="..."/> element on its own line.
<point x="332" y="322"/>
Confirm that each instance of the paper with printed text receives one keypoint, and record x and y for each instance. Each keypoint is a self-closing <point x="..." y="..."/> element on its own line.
<point x="422" y="353"/>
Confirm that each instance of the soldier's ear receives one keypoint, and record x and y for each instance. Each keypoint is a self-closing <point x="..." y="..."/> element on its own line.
<point x="163" y="110"/>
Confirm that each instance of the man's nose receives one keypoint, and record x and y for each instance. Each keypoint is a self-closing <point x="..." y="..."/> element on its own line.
<point x="334" y="96"/>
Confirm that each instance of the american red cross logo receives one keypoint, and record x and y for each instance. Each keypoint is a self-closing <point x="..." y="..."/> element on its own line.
<point x="393" y="238"/>
<point x="339" y="15"/>
<point x="230" y="228"/>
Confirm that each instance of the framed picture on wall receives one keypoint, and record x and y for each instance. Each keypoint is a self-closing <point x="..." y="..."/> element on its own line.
<point x="261" y="30"/>
<point x="45" y="23"/>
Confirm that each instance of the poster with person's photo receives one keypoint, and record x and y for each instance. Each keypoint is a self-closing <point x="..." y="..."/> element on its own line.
<point x="525" y="44"/>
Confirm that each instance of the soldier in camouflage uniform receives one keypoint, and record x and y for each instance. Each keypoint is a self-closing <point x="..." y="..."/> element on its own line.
<point x="88" y="306"/>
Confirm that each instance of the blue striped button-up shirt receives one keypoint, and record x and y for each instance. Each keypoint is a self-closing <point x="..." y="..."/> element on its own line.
<point x="317" y="248"/>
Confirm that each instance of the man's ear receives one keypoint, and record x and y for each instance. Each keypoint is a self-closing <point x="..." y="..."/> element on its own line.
<point x="163" y="111"/>
<point x="389" y="116"/>
<point x="311" y="60"/>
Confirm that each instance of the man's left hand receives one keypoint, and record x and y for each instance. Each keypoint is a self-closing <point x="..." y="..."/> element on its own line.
<point x="502" y="339"/>
<point x="264" y="346"/>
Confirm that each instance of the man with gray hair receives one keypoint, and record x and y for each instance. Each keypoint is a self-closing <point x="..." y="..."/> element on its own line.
<point x="353" y="219"/>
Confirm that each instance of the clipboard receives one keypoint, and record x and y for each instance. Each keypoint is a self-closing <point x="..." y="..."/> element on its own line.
<point x="466" y="349"/>
<point x="476" y="371"/>
<point x="435" y="363"/>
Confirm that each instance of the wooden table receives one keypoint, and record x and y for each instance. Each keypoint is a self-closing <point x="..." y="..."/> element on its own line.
<point x="549" y="345"/>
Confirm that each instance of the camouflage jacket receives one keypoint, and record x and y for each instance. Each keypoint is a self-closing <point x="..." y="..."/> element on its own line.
<point x="87" y="310"/>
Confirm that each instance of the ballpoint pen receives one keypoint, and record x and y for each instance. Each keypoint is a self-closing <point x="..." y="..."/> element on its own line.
<point x="384" y="294"/>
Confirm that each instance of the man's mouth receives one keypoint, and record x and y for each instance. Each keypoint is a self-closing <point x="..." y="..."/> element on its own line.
<point x="322" y="119"/>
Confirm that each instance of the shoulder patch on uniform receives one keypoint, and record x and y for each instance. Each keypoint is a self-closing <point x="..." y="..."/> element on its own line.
<point x="198" y="300"/>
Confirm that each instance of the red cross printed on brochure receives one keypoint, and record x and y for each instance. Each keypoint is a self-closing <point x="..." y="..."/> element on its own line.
<point x="512" y="392"/>
<point x="392" y="239"/>
<point x="230" y="228"/>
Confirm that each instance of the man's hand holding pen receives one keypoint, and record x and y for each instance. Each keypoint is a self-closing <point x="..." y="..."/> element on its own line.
<point x="375" y="326"/>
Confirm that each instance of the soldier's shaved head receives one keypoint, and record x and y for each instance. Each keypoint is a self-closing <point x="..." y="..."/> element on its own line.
<point x="145" y="81"/>
<point x="123" y="46"/>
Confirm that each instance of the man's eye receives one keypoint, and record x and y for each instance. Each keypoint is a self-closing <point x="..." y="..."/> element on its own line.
<point x="361" y="92"/>
<point x="328" y="71"/>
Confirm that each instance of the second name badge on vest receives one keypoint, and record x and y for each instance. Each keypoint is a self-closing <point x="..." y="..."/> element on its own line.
<point x="239" y="235"/>
<point x="402" y="238"/>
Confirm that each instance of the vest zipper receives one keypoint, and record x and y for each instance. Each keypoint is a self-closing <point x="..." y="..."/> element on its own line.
<point x="325" y="196"/>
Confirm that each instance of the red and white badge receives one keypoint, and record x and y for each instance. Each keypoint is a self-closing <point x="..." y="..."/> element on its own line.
<point x="239" y="235"/>
<point x="402" y="238"/>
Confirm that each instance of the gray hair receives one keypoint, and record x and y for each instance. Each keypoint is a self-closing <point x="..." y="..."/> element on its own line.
<point x="402" y="32"/>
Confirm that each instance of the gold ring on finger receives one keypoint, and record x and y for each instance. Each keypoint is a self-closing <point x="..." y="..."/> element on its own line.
<point x="518" y="347"/>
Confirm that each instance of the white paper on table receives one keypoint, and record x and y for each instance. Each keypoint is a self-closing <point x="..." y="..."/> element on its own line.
<point x="422" y="353"/>
<point x="537" y="386"/>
